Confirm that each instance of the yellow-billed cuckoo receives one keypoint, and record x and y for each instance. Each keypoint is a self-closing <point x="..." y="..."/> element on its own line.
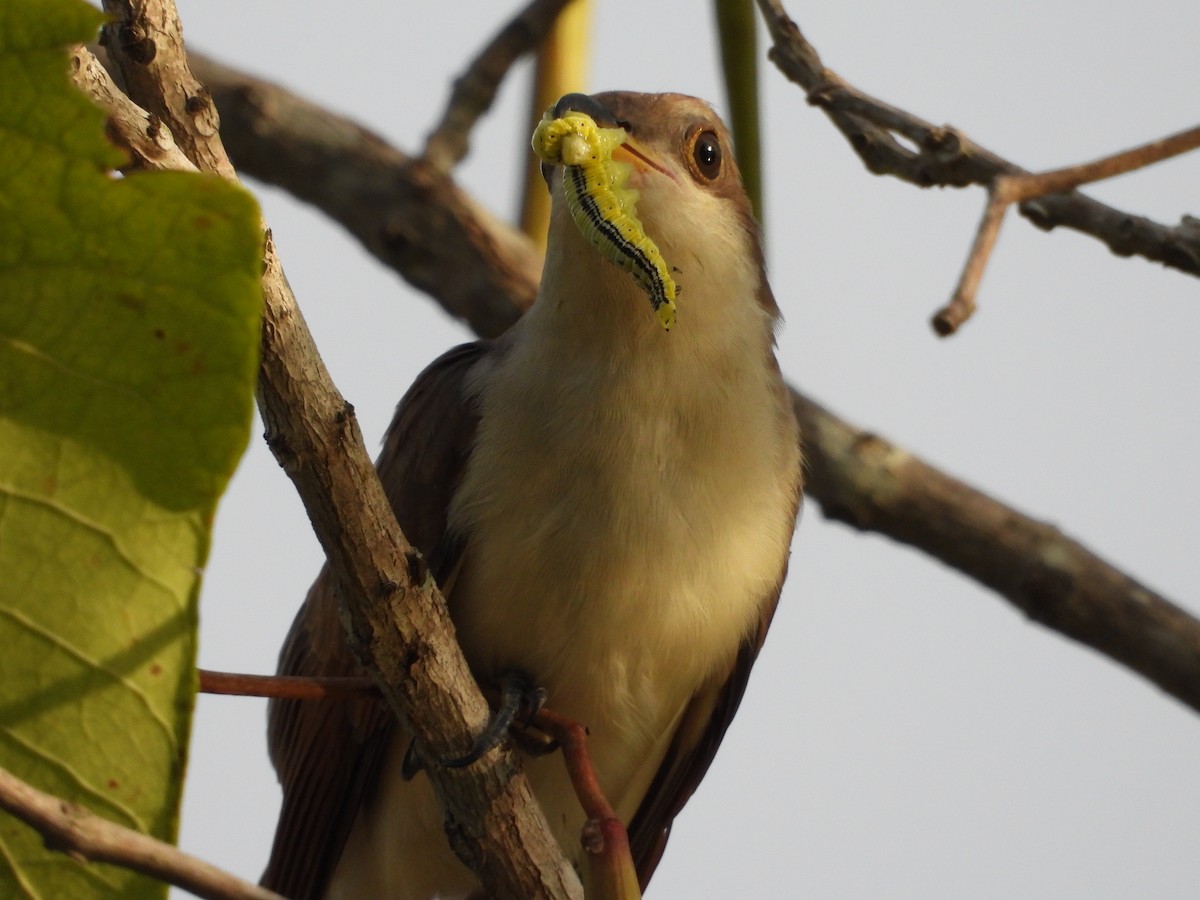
<point x="608" y="507"/>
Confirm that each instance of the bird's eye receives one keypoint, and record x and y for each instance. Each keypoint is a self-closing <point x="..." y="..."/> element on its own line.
<point x="706" y="155"/>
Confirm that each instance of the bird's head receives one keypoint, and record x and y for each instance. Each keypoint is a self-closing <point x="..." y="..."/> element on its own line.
<point x="675" y="161"/>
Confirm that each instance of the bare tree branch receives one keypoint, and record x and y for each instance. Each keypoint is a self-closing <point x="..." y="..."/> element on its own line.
<point x="1006" y="190"/>
<point x="946" y="157"/>
<point x="141" y="135"/>
<point x="397" y="623"/>
<point x="476" y="88"/>
<point x="412" y="217"/>
<point x="1054" y="580"/>
<point x="145" y="39"/>
<point x="873" y="485"/>
<point x="80" y="833"/>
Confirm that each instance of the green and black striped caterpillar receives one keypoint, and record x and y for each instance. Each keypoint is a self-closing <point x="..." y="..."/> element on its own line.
<point x="603" y="207"/>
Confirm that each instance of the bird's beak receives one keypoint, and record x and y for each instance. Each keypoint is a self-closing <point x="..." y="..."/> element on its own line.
<point x="642" y="159"/>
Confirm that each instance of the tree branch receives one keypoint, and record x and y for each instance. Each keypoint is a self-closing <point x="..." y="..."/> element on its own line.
<point x="1054" y="580"/>
<point x="141" y="135"/>
<point x="873" y="485"/>
<point x="475" y="89"/>
<point x="80" y="833"/>
<point x="145" y="40"/>
<point x="1006" y="190"/>
<point x="412" y="217"/>
<point x="397" y="621"/>
<point x="946" y="157"/>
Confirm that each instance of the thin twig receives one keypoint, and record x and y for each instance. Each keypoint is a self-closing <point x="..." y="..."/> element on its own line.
<point x="1017" y="188"/>
<point x="70" y="828"/>
<point x="943" y="156"/>
<point x="394" y="613"/>
<point x="283" y="687"/>
<point x="605" y="839"/>
<point x="1115" y="615"/>
<point x="476" y="88"/>
<point x="571" y="735"/>
<point x="961" y="305"/>
<point x="1008" y="189"/>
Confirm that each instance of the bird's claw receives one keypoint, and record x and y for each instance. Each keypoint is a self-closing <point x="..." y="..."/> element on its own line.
<point x="516" y="695"/>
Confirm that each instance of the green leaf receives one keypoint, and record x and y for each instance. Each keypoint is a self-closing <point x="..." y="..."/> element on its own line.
<point x="129" y="331"/>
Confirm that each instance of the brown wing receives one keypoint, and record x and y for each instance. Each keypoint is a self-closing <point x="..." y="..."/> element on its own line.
<point x="710" y="711"/>
<point x="695" y="744"/>
<point x="327" y="753"/>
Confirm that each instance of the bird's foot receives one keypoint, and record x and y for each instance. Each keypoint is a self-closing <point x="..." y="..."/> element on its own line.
<point x="517" y="694"/>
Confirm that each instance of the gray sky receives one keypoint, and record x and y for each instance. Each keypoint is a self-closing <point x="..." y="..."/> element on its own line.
<point x="906" y="734"/>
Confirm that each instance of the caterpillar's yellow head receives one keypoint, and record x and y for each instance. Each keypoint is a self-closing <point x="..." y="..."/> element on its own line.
<point x="651" y="183"/>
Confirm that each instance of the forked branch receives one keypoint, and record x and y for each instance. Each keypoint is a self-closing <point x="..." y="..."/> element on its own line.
<point x="1006" y="190"/>
<point x="944" y="156"/>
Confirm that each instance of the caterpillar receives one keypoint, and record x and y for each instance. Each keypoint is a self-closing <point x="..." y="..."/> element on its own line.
<point x="602" y="206"/>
